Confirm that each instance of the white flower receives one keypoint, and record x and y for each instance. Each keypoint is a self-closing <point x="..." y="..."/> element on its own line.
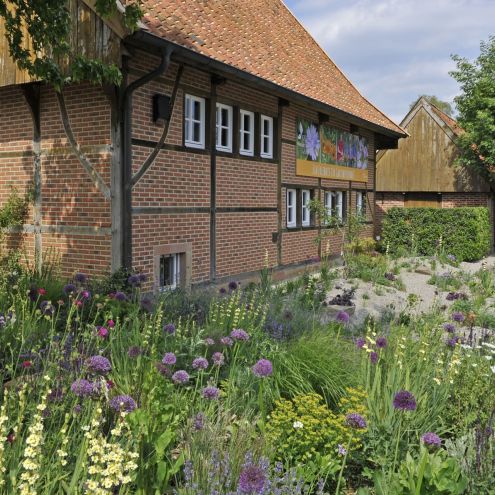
<point x="297" y="425"/>
<point x="486" y="344"/>
<point x="488" y="358"/>
<point x="492" y="368"/>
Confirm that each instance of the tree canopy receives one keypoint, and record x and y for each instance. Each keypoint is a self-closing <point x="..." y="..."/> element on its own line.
<point x="445" y="106"/>
<point x="476" y="107"/>
<point x="47" y="54"/>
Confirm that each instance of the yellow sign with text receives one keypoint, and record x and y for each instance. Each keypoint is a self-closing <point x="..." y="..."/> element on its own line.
<point x="310" y="168"/>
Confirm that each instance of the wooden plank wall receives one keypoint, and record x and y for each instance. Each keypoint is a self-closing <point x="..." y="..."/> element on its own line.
<point x="425" y="161"/>
<point x="90" y="36"/>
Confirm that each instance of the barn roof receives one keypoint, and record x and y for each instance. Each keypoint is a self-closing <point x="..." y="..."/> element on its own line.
<point x="264" y="39"/>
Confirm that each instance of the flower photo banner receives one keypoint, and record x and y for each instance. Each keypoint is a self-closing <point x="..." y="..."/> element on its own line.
<point x="329" y="153"/>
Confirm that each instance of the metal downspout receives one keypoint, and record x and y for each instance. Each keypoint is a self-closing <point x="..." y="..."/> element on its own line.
<point x="127" y="152"/>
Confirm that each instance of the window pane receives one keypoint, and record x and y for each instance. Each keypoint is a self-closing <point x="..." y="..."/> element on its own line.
<point x="246" y="120"/>
<point x="187" y="107"/>
<point x="247" y="141"/>
<point x="225" y="117"/>
<point x="196" y="131"/>
<point x="225" y="137"/>
<point x="197" y="110"/>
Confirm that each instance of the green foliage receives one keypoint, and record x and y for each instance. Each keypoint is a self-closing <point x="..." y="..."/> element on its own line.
<point x="431" y="473"/>
<point x="476" y="107"/>
<point x="315" y="362"/>
<point x="302" y="427"/>
<point x="45" y="53"/>
<point x="462" y="232"/>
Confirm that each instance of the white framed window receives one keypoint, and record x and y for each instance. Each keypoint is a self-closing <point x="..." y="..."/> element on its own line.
<point x="169" y="271"/>
<point x="291" y="208"/>
<point x="224" y="128"/>
<point x="305" y="213"/>
<point x="194" y="121"/>
<point x="246" y="133"/>
<point x="361" y="203"/>
<point x="339" y="204"/>
<point x="266" y="144"/>
<point x="328" y="202"/>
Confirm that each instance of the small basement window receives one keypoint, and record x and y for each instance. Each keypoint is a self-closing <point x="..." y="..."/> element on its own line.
<point x="246" y="130"/>
<point x="194" y="122"/>
<point x="291" y="208"/>
<point x="305" y="213"/>
<point x="170" y="271"/>
<point x="224" y="128"/>
<point x="266" y="137"/>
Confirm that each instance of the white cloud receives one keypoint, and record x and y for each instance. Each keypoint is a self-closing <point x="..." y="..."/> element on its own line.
<point x="394" y="50"/>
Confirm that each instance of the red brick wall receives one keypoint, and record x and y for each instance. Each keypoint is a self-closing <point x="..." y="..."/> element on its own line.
<point x="76" y="219"/>
<point x="180" y="178"/>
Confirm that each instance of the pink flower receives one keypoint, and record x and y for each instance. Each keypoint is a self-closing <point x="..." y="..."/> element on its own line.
<point x="110" y="323"/>
<point x="102" y="332"/>
<point x="41" y="291"/>
<point x="27" y="364"/>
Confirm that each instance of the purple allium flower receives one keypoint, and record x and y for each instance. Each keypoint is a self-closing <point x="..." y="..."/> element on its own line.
<point x="163" y="370"/>
<point x="169" y="329"/>
<point x="147" y="304"/>
<point x="33" y="293"/>
<point x="85" y="294"/>
<point x="222" y="290"/>
<point x="46" y="308"/>
<point x="239" y="334"/>
<point x="458" y="316"/>
<point x="218" y="359"/>
<point x="381" y="342"/>
<point x="431" y="439"/>
<point x="98" y="365"/>
<point x="77" y="409"/>
<point x="355" y="420"/>
<point x="360" y="342"/>
<point x="404" y="401"/>
<point x="134" y="351"/>
<point x="233" y="285"/>
<point x="84" y="388"/>
<point x="453" y="341"/>
<point x="200" y="363"/>
<point x="123" y="403"/>
<point x="263" y="368"/>
<point x="142" y="277"/>
<point x="252" y="480"/>
<point x="133" y="280"/>
<point x="227" y="341"/>
<point x="180" y="377"/>
<point x="209" y="341"/>
<point x="341" y="450"/>
<point x="120" y="296"/>
<point x="342" y="317"/>
<point x="374" y="357"/>
<point x="169" y="358"/>
<point x="69" y="289"/>
<point x="312" y="144"/>
<point x="210" y="393"/>
<point x="80" y="278"/>
<point x="449" y="327"/>
<point x="199" y="421"/>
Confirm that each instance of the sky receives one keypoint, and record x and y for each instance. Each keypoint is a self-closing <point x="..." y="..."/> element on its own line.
<point x="395" y="50"/>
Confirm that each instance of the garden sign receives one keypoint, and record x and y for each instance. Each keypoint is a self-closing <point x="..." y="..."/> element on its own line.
<point x="328" y="153"/>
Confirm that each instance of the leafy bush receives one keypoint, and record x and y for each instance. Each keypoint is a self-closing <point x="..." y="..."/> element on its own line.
<point x="304" y="426"/>
<point x="462" y="232"/>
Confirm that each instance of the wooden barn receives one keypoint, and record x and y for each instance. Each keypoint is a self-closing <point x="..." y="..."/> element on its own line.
<point x="422" y="171"/>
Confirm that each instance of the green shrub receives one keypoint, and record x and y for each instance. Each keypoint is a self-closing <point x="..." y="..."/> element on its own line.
<point x="462" y="232"/>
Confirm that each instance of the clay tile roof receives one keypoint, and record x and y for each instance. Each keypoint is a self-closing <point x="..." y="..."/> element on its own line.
<point x="263" y="38"/>
<point x="449" y="121"/>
